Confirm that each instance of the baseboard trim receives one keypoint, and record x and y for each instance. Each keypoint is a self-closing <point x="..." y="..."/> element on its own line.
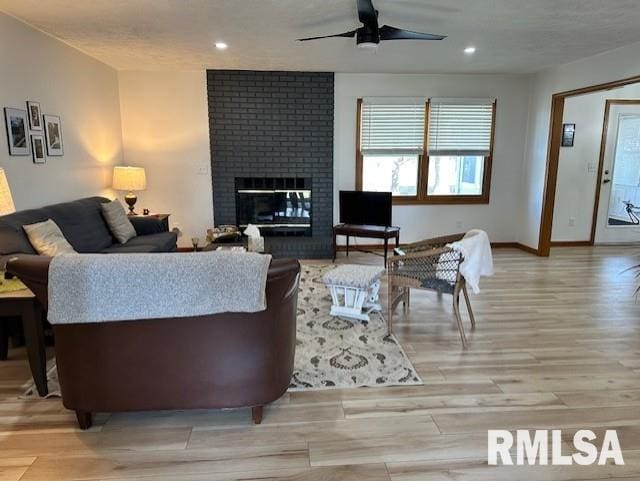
<point x="515" y="245"/>
<point x="380" y="247"/>
<point x="505" y="245"/>
<point x="528" y="249"/>
<point x="571" y="243"/>
<point x="368" y="247"/>
<point x="495" y="245"/>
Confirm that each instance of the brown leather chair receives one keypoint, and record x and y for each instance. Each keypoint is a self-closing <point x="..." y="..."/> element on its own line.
<point x="218" y="361"/>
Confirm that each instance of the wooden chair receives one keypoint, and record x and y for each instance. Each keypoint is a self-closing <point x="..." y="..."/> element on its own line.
<point x="428" y="265"/>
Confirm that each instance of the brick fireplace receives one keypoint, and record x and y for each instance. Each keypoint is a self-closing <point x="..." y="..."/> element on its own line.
<point x="278" y="127"/>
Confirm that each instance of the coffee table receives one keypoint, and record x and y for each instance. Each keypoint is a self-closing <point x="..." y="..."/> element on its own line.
<point x="23" y="303"/>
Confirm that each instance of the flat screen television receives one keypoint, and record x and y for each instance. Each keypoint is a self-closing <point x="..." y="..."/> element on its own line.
<point x="365" y="208"/>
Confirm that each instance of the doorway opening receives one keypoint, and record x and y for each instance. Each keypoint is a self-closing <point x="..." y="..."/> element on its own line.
<point x="553" y="162"/>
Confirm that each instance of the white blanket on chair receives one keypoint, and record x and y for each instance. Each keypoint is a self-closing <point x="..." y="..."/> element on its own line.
<point x="478" y="261"/>
<point x="89" y="288"/>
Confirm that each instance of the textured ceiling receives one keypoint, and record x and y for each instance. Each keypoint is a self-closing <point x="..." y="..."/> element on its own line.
<point x="511" y="36"/>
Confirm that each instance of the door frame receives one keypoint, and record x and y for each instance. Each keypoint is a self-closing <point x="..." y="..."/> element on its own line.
<point x="603" y="142"/>
<point x="553" y="156"/>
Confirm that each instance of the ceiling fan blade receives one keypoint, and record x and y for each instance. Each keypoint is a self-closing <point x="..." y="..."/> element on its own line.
<point x="367" y="13"/>
<point x="352" y="34"/>
<point x="392" y="33"/>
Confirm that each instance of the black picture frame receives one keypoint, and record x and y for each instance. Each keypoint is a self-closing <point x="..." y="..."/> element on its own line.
<point x="17" y="124"/>
<point x="568" y="134"/>
<point x="53" y="135"/>
<point x="35" y="116"/>
<point x="38" y="149"/>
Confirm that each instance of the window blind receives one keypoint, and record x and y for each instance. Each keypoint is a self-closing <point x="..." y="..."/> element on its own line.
<point x="392" y="126"/>
<point x="460" y="126"/>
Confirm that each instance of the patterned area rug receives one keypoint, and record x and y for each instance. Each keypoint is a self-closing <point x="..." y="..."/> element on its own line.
<point x="336" y="353"/>
<point x="331" y="352"/>
<point x="30" y="391"/>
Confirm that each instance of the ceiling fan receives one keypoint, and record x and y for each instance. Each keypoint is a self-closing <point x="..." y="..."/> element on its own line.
<point x="370" y="34"/>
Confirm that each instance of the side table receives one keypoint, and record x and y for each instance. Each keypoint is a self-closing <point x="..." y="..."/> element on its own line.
<point x="370" y="231"/>
<point x="23" y="303"/>
<point x="163" y="218"/>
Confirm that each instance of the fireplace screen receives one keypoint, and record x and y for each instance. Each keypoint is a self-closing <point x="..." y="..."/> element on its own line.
<point x="278" y="208"/>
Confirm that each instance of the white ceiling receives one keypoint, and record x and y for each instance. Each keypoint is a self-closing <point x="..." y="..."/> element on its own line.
<point x="511" y="36"/>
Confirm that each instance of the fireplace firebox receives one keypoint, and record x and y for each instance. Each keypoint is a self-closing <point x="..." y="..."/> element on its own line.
<point x="279" y="206"/>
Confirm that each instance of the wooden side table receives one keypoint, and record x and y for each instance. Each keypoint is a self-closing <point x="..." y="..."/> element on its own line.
<point x="24" y="304"/>
<point x="164" y="218"/>
<point x="369" y="231"/>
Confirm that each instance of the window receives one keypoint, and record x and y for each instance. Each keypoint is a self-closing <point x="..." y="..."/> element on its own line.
<point x="387" y="172"/>
<point x="455" y="175"/>
<point x="391" y="145"/>
<point x="460" y="135"/>
<point x="454" y="166"/>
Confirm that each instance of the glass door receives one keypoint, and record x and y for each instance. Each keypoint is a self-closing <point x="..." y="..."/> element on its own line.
<point x="619" y="204"/>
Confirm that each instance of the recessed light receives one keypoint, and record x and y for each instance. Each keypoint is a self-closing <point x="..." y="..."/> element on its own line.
<point x="221" y="45"/>
<point x="470" y="50"/>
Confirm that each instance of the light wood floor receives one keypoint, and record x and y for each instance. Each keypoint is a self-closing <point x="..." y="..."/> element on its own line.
<point x="557" y="346"/>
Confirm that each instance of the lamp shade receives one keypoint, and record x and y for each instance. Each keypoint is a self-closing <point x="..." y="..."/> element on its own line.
<point x="129" y="178"/>
<point x="6" y="201"/>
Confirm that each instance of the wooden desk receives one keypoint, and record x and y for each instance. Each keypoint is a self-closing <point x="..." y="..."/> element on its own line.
<point x="23" y="303"/>
<point x="368" y="231"/>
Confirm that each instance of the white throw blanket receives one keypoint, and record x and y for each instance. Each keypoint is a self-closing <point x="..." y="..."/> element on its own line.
<point x="89" y="288"/>
<point x="478" y="261"/>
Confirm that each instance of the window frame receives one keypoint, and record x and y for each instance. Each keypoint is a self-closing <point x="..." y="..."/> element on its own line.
<point x="423" y="167"/>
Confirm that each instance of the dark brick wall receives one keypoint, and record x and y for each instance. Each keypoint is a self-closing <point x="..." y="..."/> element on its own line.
<point x="273" y="124"/>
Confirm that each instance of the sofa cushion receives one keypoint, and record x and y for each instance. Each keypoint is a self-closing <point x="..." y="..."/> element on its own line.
<point x="80" y="221"/>
<point x="118" y="222"/>
<point x="161" y="242"/>
<point x="47" y="239"/>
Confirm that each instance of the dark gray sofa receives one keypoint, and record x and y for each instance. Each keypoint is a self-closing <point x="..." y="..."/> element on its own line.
<point x="83" y="225"/>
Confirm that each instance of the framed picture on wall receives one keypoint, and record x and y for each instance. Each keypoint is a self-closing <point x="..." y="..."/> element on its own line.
<point x="17" y="136"/>
<point x="35" y="116"/>
<point x="568" y="134"/>
<point x="38" y="149"/>
<point x="53" y="135"/>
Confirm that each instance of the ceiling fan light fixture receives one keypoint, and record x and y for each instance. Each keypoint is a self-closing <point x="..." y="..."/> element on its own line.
<point x="371" y="33"/>
<point x="470" y="50"/>
<point x="369" y="46"/>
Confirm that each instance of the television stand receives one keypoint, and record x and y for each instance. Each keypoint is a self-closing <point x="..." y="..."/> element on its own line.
<point x="368" y="231"/>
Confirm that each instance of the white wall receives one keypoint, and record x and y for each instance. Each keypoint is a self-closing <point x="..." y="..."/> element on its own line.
<point x="578" y="169"/>
<point x="577" y="166"/>
<point x="499" y="217"/>
<point x="165" y="128"/>
<point x="78" y="88"/>
<point x="174" y="150"/>
<point x="614" y="65"/>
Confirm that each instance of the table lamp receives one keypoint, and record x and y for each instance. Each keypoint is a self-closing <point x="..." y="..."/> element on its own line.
<point x="6" y="201"/>
<point x="129" y="179"/>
